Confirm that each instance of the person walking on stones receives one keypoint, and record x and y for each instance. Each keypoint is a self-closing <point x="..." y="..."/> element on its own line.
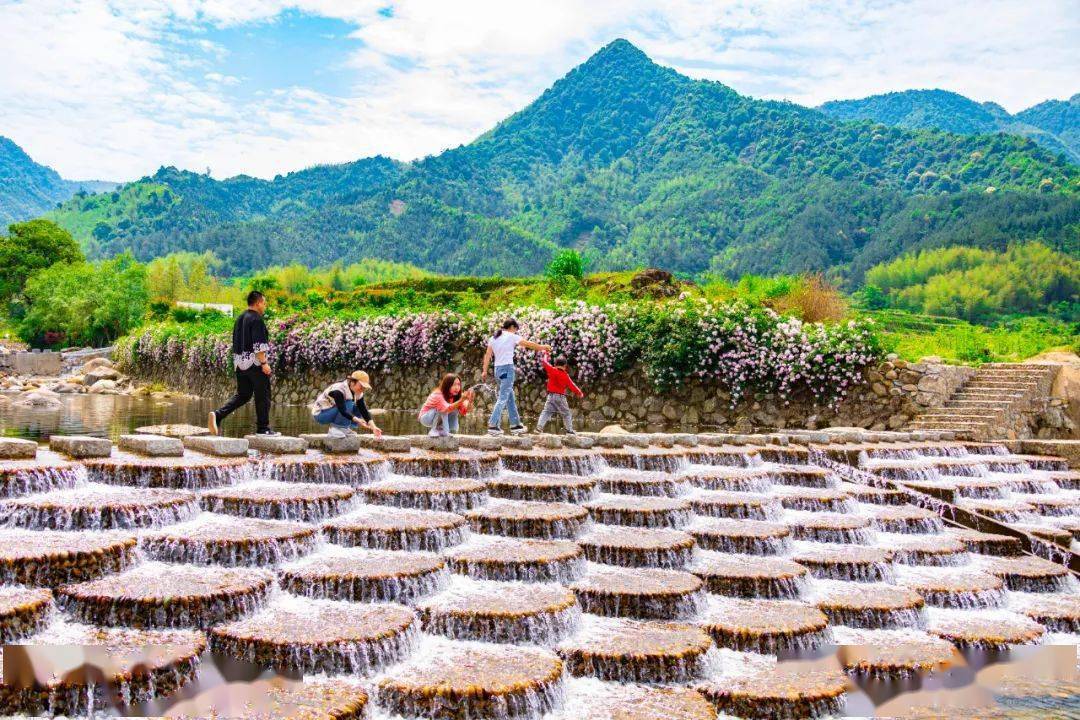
<point x="500" y="350"/>
<point x="558" y="383"/>
<point x="445" y="406"/>
<point x="250" y="347"/>
<point x="339" y="405"/>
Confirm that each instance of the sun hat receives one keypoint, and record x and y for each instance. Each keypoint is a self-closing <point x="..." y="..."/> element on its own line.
<point x="362" y="378"/>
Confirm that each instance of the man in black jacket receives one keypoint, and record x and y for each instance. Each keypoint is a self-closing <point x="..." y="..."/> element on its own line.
<point x="250" y="345"/>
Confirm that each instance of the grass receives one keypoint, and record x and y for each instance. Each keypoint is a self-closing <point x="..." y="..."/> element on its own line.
<point x="956" y="341"/>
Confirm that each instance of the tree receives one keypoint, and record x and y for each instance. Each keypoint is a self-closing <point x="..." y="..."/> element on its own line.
<point x="31" y="246"/>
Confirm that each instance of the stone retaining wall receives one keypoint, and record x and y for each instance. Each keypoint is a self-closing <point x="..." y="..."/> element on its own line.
<point x="894" y="392"/>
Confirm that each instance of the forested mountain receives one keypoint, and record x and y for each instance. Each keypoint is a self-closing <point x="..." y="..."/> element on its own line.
<point x="1054" y="124"/>
<point x="28" y="189"/>
<point x="632" y="163"/>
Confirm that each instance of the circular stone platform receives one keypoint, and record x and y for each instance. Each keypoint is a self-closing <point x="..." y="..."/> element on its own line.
<point x="814" y="499"/>
<point x="1028" y="574"/>
<point x="365" y="575"/>
<point x="23" y="612"/>
<point x="803" y="475"/>
<point x="637" y="547"/>
<point x="519" y="518"/>
<point x="1053" y="505"/>
<point x="637" y="651"/>
<point x="180" y="473"/>
<point x="552" y="462"/>
<point x="137" y="665"/>
<point x="936" y="550"/>
<point x="735" y="505"/>
<point x="645" y="593"/>
<point x="869" y="605"/>
<point x="159" y="595"/>
<point x="730" y="456"/>
<point x="986" y="543"/>
<point x="740" y="536"/>
<point x="990" y="630"/>
<point x="612" y="701"/>
<point x="749" y="576"/>
<point x="542" y="488"/>
<point x="390" y="528"/>
<point x="494" y="558"/>
<point x="23" y="477"/>
<point x="906" y="519"/>
<point x="301" y="502"/>
<point x="353" y="470"/>
<point x="501" y="612"/>
<point x="732" y="479"/>
<point x="651" y="458"/>
<point x="647" y="512"/>
<point x="427" y="493"/>
<point x="875" y="495"/>
<point x="278" y="697"/>
<point x="772" y="694"/>
<point x="1058" y="612"/>
<point x="963" y="588"/>
<point x="858" y="563"/>
<point x="320" y="636"/>
<point x="830" y="528"/>
<point x="631" y="482"/>
<point x="225" y="540"/>
<point x="1005" y="511"/>
<point x="100" y="507"/>
<point x="459" y="464"/>
<point x="764" y="626"/>
<point x="47" y="558"/>
<point x="893" y="653"/>
<point x="459" y="680"/>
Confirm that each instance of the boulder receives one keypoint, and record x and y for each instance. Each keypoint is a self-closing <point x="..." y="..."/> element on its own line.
<point x="448" y="443"/>
<point x="662" y="440"/>
<point x="103" y="387"/>
<point x="578" y="442"/>
<point x="548" y="441"/>
<point x="610" y="441"/>
<point x="517" y="442"/>
<point x="277" y="444"/>
<point x="216" y="445"/>
<point x="81" y="446"/>
<point x="685" y="439"/>
<point x="68" y="388"/>
<point x="96" y="363"/>
<point x="614" y="430"/>
<point x="42" y="399"/>
<point x="17" y="449"/>
<point x="175" y="430"/>
<point x="386" y="444"/>
<point x="153" y="445"/>
<point x="348" y="445"/>
<point x="99" y="374"/>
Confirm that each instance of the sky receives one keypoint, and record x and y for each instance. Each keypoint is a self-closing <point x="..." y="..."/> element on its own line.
<point x="113" y="89"/>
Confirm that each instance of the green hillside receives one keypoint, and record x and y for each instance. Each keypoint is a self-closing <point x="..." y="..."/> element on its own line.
<point x="634" y="165"/>
<point x="1054" y="124"/>
<point x="28" y="189"/>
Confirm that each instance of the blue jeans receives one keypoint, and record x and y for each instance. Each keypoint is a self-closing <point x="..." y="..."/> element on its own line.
<point x="506" y="401"/>
<point x="331" y="416"/>
<point x="440" y="421"/>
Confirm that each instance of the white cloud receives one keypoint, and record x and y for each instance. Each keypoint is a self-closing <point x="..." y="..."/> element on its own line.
<point x="105" y="88"/>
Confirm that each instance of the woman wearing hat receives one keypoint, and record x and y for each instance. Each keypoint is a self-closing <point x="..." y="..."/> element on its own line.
<point x="339" y="405"/>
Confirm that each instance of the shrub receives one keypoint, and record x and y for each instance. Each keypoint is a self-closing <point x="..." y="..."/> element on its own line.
<point x="814" y="300"/>
<point x="566" y="263"/>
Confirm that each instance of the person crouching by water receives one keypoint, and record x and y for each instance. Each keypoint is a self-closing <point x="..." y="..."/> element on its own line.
<point x="445" y="406"/>
<point x="558" y="383"/>
<point x="339" y="405"/>
<point x="500" y="348"/>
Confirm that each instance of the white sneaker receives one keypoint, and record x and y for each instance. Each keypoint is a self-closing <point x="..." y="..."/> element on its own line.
<point x="495" y="431"/>
<point x="336" y="431"/>
<point x="518" y="430"/>
<point x="434" y="432"/>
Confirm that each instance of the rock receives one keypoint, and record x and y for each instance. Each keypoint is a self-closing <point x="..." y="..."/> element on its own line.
<point x="486" y="443"/>
<point x="611" y="440"/>
<point x="99" y="374"/>
<point x="277" y="444"/>
<point x="931" y="360"/>
<point x="897" y="421"/>
<point x="879" y="389"/>
<point x="619" y="394"/>
<point x="103" y="387"/>
<point x="81" y="446"/>
<point x="96" y="363"/>
<point x="548" y="441"/>
<point x="17" y="449"/>
<point x="436" y="444"/>
<point x="217" y="446"/>
<point x="892" y="375"/>
<point x="386" y="444"/>
<point x="518" y="442"/>
<point x="654" y="283"/>
<point x="348" y="445"/>
<point x="314" y="440"/>
<point x="663" y="440"/>
<point x="685" y="439"/>
<point x="41" y="399"/>
<point x="579" y="442"/>
<point x="613" y="430"/>
<point x="670" y="412"/>
<point x="67" y="388"/>
<point x="152" y="445"/>
<point x="743" y="425"/>
<point x="174" y="430"/>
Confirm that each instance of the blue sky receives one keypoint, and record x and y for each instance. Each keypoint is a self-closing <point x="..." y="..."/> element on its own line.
<point x="115" y="88"/>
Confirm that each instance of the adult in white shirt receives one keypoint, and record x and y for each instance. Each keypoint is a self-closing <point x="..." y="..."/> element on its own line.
<point x="500" y="349"/>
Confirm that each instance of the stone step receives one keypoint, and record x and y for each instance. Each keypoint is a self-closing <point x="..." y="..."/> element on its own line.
<point x="217" y="446"/>
<point x="946" y="425"/>
<point x="960" y="415"/>
<point x="17" y="449"/>
<point x="979" y="404"/>
<point x="1018" y="384"/>
<point x="277" y="444"/>
<point x="81" y="447"/>
<point x="1000" y="373"/>
<point x="979" y="395"/>
<point x="151" y="445"/>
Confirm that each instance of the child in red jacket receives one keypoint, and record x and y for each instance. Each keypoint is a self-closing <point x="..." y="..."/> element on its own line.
<point x="558" y="382"/>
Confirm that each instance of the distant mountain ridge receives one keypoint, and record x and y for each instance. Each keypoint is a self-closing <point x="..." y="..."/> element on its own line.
<point x="28" y="189"/>
<point x="1054" y="124"/>
<point x="635" y="165"/>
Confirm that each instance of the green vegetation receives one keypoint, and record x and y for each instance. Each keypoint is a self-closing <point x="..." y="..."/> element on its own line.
<point x="28" y="189"/>
<point x="630" y="164"/>
<point x="914" y="336"/>
<point x="979" y="285"/>
<point x="31" y="246"/>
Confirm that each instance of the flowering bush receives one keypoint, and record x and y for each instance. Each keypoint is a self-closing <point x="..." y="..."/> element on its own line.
<point x="741" y="349"/>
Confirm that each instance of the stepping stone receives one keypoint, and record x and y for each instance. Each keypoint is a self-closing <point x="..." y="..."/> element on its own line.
<point x="217" y="446"/>
<point x="386" y="443"/>
<point x="81" y="446"/>
<point x="517" y="442"/>
<point x="152" y="445"/>
<point x="277" y="444"/>
<point x="16" y="449"/>
<point x="623" y="650"/>
<point x="779" y="693"/>
<point x="577" y="442"/>
<point x="480" y="442"/>
<point x="764" y="626"/>
<point x="178" y="430"/>
<point x="25" y="611"/>
<point x="435" y="444"/>
<point x="501" y="612"/>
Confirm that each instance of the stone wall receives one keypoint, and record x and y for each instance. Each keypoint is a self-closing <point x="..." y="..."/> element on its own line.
<point x="894" y="392"/>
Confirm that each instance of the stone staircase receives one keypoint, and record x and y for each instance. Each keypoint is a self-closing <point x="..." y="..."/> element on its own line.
<point x="994" y="404"/>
